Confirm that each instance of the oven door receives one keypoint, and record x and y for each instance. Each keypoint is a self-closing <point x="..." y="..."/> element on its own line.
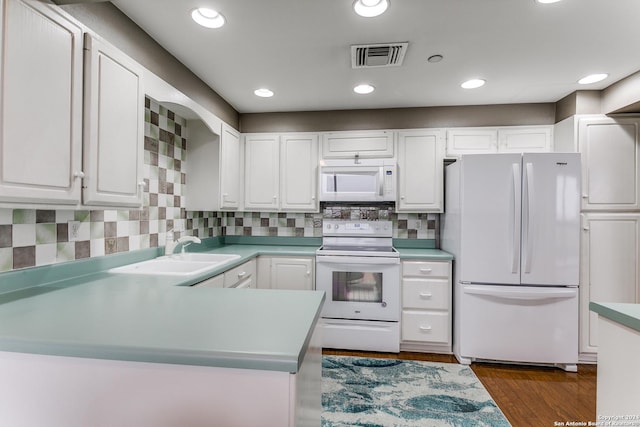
<point x="364" y="288"/>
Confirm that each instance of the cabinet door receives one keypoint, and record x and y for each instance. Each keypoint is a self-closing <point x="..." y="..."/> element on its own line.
<point x="364" y="144"/>
<point x="299" y="169"/>
<point x="41" y="111"/>
<point x="292" y="273"/>
<point x="420" y="155"/>
<point x="262" y="171"/>
<point x="230" y="168"/>
<point x="610" y="158"/>
<point x="471" y="141"/>
<point x="523" y="139"/>
<point x="610" y="267"/>
<point x="114" y="126"/>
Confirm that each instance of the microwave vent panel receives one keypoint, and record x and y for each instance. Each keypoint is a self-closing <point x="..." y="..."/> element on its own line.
<point x="378" y="55"/>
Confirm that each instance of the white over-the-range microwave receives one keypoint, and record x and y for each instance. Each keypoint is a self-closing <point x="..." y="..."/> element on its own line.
<point x="368" y="180"/>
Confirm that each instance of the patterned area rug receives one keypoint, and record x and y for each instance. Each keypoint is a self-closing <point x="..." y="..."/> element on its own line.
<point x="367" y="392"/>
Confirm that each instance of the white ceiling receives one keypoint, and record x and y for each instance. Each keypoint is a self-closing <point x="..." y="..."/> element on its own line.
<point x="300" y="49"/>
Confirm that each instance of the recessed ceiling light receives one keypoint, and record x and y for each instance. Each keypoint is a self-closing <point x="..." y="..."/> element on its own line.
<point x="208" y="17"/>
<point x="435" y="58"/>
<point x="263" y="93"/>
<point x="370" y="8"/>
<point x="473" y="83"/>
<point x="592" y="78"/>
<point x="547" y="1"/>
<point x="364" y="89"/>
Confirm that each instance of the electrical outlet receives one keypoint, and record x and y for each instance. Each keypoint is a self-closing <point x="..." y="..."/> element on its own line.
<point x="74" y="230"/>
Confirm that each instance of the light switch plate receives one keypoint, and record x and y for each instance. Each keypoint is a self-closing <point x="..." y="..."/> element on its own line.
<point x="74" y="230"/>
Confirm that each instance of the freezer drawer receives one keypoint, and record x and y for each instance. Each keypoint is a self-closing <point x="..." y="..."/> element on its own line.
<point x="518" y="324"/>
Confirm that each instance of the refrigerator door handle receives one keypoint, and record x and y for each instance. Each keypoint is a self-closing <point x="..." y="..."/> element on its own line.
<point x="515" y="293"/>
<point x="515" y="245"/>
<point x="527" y="218"/>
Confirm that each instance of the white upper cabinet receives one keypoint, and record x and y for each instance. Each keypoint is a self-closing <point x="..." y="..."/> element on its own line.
<point x="525" y="139"/>
<point x="471" y="140"/>
<point x="230" y="168"/>
<point x="114" y="127"/>
<point x="299" y="169"/>
<point x="215" y="168"/>
<point x="507" y="139"/>
<point x="262" y="171"/>
<point x="281" y="172"/>
<point x="41" y="110"/>
<point x="610" y="158"/>
<point x="420" y="155"/>
<point x="361" y="144"/>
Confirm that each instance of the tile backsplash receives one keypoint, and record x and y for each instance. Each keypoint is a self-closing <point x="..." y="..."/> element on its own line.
<point x="35" y="237"/>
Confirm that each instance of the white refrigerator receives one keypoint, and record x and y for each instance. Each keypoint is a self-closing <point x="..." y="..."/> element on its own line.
<point x="512" y="221"/>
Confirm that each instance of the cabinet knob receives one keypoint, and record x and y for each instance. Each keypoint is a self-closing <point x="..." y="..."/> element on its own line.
<point x="585" y="196"/>
<point x="78" y="174"/>
<point x="141" y="184"/>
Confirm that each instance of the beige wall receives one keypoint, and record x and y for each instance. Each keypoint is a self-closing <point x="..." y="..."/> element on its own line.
<point x="579" y="102"/>
<point x="400" y="118"/>
<point x="108" y="22"/>
<point x="622" y="96"/>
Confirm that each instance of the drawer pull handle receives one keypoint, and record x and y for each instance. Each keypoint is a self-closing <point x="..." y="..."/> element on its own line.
<point x="242" y="274"/>
<point x="426" y="270"/>
<point x="425" y="328"/>
<point x="425" y="295"/>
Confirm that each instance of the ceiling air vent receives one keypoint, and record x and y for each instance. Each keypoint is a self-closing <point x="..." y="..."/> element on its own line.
<point x="378" y="55"/>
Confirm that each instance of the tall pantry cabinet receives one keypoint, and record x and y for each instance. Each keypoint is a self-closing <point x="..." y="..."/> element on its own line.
<point x="610" y="240"/>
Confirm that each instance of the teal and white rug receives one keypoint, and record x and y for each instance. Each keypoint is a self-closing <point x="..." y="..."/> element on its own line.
<point x="367" y="392"/>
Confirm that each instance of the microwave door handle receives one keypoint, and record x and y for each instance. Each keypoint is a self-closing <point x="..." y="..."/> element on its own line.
<point x="381" y="182"/>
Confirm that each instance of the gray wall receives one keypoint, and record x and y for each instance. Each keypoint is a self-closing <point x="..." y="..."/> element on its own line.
<point x="107" y="21"/>
<point x="400" y="118"/>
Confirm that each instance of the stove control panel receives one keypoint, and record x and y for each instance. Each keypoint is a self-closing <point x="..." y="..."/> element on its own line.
<point x="341" y="227"/>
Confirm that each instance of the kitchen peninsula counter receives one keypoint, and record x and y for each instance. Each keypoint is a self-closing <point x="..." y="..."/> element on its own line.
<point x="90" y="347"/>
<point x="618" y="368"/>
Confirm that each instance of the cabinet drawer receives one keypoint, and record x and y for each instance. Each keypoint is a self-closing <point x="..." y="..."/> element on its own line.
<point x="421" y="326"/>
<point x="425" y="268"/>
<point x="212" y="282"/>
<point x="239" y="273"/>
<point x="425" y="293"/>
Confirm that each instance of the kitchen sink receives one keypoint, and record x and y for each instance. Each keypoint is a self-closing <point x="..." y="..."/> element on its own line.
<point x="187" y="264"/>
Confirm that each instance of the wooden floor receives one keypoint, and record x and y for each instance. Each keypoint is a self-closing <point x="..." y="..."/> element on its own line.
<point x="528" y="396"/>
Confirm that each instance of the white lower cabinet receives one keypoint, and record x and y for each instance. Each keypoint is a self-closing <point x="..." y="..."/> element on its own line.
<point x="610" y="269"/>
<point x="242" y="276"/>
<point x="292" y="273"/>
<point x="426" y="306"/>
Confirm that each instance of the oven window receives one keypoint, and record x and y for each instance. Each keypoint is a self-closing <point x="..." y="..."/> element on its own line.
<point x="357" y="287"/>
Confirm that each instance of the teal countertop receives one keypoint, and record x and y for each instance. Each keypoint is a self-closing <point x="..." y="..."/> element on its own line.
<point x="625" y="314"/>
<point x="79" y="309"/>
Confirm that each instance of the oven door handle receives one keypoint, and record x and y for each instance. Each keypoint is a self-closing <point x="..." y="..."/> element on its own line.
<point x="326" y="259"/>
